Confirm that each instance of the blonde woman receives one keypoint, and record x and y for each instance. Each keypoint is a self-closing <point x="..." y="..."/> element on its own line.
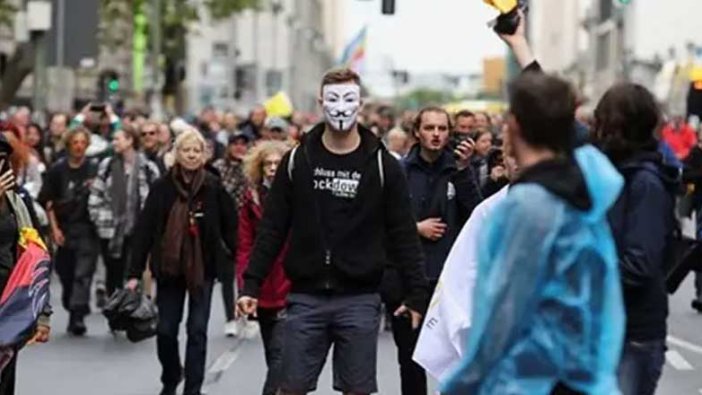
<point x="260" y="167"/>
<point x="185" y="219"/>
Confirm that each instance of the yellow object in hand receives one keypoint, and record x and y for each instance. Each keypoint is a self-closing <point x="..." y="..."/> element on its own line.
<point x="504" y="6"/>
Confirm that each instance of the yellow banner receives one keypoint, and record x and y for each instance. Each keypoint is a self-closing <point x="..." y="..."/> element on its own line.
<point x="504" y="6"/>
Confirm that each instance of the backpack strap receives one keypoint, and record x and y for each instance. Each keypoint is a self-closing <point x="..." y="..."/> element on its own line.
<point x="380" y="168"/>
<point x="291" y="163"/>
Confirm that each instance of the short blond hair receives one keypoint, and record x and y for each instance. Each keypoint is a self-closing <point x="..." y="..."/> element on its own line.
<point x="253" y="162"/>
<point x="186" y="136"/>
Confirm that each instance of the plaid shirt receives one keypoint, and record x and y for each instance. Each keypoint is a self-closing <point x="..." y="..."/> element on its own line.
<point x="233" y="179"/>
<point x="100" y="201"/>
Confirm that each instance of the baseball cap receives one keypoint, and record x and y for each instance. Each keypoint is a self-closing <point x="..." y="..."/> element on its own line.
<point x="239" y="136"/>
<point x="277" y="123"/>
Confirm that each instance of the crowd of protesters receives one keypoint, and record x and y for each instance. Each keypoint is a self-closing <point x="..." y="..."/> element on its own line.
<point x="320" y="224"/>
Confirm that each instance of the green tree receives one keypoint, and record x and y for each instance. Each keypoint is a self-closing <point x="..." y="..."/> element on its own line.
<point x="419" y="98"/>
<point x="20" y="64"/>
<point x="176" y="16"/>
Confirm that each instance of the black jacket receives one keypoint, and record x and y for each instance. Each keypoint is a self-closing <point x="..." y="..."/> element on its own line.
<point x="217" y="225"/>
<point x="643" y="222"/>
<point x="439" y="190"/>
<point x="382" y="228"/>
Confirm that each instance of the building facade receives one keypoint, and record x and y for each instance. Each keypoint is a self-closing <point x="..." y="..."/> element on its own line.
<point x="287" y="45"/>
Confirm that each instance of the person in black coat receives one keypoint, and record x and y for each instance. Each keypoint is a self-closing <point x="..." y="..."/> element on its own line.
<point x="188" y="229"/>
<point x="443" y="192"/>
<point x="643" y="223"/>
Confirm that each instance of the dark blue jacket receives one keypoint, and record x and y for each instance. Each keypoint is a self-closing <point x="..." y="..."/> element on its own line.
<point x="439" y="190"/>
<point x="643" y="222"/>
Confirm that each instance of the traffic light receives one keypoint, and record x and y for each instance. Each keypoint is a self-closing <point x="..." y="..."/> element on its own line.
<point x="388" y="7"/>
<point x="108" y="85"/>
<point x="113" y="85"/>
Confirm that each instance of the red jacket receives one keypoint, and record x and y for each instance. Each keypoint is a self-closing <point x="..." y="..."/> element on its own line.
<point x="275" y="288"/>
<point x="681" y="139"/>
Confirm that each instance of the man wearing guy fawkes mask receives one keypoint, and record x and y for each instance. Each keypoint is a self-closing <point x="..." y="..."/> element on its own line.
<point x="343" y="179"/>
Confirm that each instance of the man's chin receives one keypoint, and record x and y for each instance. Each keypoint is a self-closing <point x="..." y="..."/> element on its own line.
<point x="336" y="129"/>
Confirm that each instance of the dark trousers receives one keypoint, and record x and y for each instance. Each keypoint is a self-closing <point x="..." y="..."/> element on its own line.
<point x="413" y="379"/>
<point x="170" y="299"/>
<point x="228" y="298"/>
<point x="115" y="268"/>
<point x="641" y="367"/>
<point x="7" y="379"/>
<point x="271" y="323"/>
<point x="75" y="266"/>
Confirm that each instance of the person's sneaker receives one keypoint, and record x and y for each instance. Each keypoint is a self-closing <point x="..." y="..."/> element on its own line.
<point x="100" y="298"/>
<point x="251" y="329"/>
<point x="76" y="325"/>
<point x="231" y="328"/>
<point x="697" y="305"/>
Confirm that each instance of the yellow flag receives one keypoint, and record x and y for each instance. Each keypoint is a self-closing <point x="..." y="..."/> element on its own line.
<point x="504" y="6"/>
<point x="696" y="74"/>
<point x="279" y="105"/>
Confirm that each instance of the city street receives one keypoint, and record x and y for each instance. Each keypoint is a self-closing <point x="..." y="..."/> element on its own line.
<point x="106" y="365"/>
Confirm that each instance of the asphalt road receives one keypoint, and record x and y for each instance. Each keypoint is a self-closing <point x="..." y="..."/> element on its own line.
<point x="103" y="364"/>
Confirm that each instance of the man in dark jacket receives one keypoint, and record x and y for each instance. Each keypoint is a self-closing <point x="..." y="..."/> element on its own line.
<point x="443" y="192"/>
<point x="343" y="200"/>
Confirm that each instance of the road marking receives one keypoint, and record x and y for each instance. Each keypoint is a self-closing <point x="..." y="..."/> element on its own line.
<point x="677" y="361"/>
<point x="226" y="359"/>
<point x="684" y="344"/>
<point x="220" y="365"/>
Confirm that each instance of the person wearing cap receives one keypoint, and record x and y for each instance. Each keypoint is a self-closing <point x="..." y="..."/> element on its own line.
<point x="13" y="201"/>
<point x="232" y="176"/>
<point x="275" y="129"/>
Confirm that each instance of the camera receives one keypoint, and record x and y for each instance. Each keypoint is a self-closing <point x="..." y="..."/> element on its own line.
<point x="509" y="22"/>
<point x="97" y="107"/>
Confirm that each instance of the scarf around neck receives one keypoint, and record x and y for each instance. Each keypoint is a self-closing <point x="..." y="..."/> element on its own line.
<point x="181" y="245"/>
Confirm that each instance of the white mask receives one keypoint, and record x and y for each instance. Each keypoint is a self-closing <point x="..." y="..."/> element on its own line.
<point x="341" y="103"/>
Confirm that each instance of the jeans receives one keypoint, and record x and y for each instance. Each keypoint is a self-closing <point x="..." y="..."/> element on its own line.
<point x="75" y="266"/>
<point x="641" y="367"/>
<point x="271" y="322"/>
<point x="170" y="299"/>
<point x="115" y="267"/>
<point x="228" y="298"/>
<point x="7" y="379"/>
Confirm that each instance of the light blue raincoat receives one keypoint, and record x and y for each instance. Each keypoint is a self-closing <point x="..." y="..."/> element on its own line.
<point x="548" y="303"/>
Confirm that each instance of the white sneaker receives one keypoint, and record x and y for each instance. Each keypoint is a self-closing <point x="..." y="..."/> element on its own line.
<point x="231" y="328"/>
<point x="251" y="329"/>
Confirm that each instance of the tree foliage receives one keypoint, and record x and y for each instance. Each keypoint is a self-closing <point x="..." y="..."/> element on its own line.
<point x="422" y="97"/>
<point x="7" y="13"/>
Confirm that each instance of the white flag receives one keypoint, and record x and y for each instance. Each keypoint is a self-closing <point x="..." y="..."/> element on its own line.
<point x="441" y="343"/>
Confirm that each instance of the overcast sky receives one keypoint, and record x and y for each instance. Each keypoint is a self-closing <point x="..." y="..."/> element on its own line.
<point x="424" y="35"/>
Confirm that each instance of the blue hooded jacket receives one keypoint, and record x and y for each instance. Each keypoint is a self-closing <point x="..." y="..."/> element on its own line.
<point x="548" y="305"/>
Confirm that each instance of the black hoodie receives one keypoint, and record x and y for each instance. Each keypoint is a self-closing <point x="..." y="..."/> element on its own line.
<point x="378" y="228"/>
<point x="643" y="222"/>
